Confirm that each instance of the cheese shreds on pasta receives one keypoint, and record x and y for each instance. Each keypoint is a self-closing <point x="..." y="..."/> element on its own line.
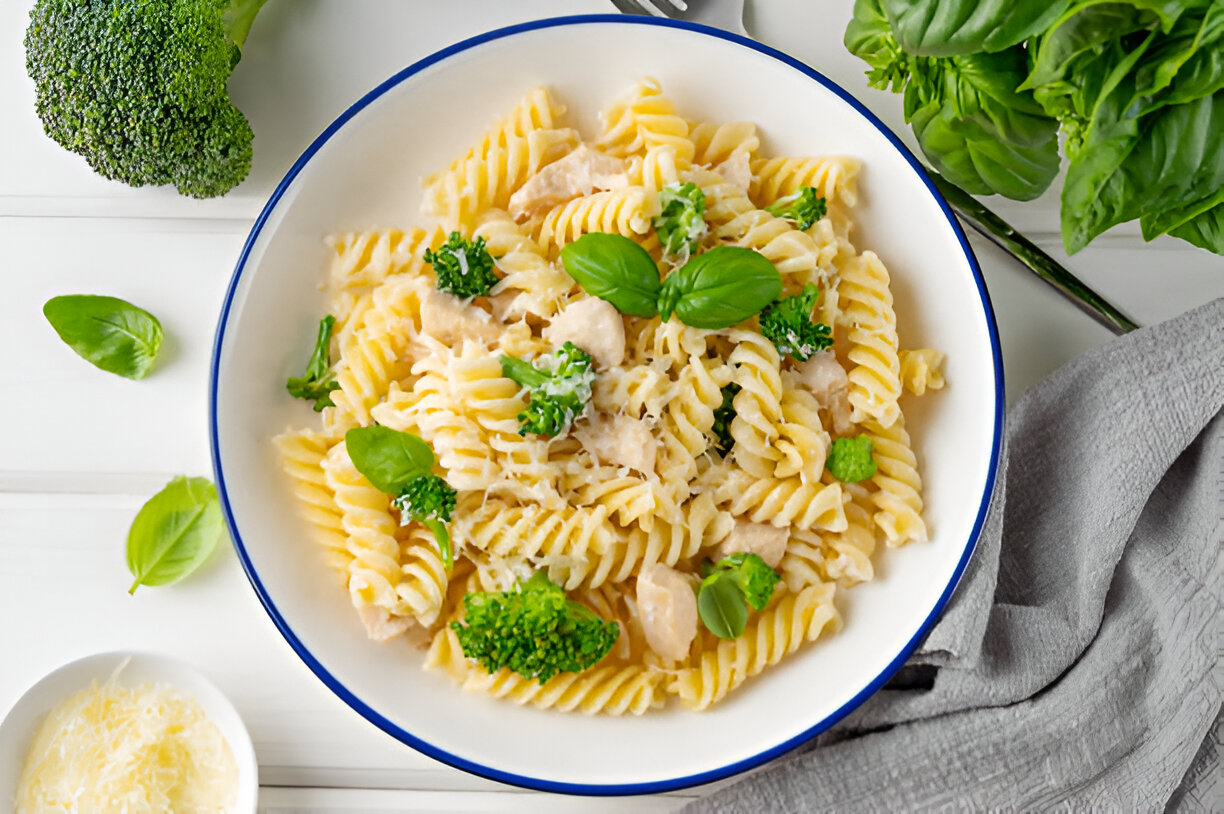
<point x="116" y="748"/>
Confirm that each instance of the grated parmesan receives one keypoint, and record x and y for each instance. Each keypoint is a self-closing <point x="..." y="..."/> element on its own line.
<point x="115" y="748"/>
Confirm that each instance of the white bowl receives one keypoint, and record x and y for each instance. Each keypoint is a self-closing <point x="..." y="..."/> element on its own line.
<point x="364" y="170"/>
<point x="22" y="721"/>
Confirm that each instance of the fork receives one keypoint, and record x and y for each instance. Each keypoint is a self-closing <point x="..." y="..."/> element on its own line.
<point x="729" y="16"/>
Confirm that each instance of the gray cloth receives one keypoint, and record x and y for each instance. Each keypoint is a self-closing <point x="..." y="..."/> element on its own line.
<point x="1078" y="664"/>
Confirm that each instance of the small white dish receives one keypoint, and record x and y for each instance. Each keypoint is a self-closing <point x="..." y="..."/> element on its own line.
<point x="364" y="171"/>
<point x="22" y="721"/>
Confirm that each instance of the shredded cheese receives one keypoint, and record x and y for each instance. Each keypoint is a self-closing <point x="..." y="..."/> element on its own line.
<point x="115" y="748"/>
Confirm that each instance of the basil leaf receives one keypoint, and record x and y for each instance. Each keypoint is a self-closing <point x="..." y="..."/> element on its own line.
<point x="174" y="532"/>
<point x="614" y="268"/>
<point x="720" y="603"/>
<point x="977" y="130"/>
<point x="721" y="287"/>
<point x="107" y="332"/>
<point x="1205" y="231"/>
<point x="388" y="458"/>
<point x="951" y="27"/>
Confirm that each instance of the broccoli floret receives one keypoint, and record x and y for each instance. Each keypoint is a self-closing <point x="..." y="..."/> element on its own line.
<point x="804" y="207"/>
<point x="139" y="88"/>
<point x="319" y="380"/>
<point x="850" y="459"/>
<point x="462" y="267"/>
<point x="788" y="324"/>
<point x="534" y="630"/>
<point x="723" y="415"/>
<point x="727" y="586"/>
<point x="559" y="389"/>
<point x="680" y="223"/>
<point x="428" y="499"/>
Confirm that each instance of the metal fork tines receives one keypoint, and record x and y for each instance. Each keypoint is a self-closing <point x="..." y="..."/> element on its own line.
<point x="725" y="14"/>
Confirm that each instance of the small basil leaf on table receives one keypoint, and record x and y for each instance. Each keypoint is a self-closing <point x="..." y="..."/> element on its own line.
<point x="614" y="268"/>
<point x="107" y="332"/>
<point x="719" y="288"/>
<point x="389" y="459"/>
<point x="174" y="532"/>
<point x="720" y="603"/>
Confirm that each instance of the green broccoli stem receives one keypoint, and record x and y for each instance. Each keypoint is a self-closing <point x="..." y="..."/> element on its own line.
<point x="1003" y="235"/>
<point x="442" y="536"/>
<point x="522" y="372"/>
<point x="238" y="16"/>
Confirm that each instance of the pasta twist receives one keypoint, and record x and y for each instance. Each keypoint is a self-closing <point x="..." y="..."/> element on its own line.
<point x="641" y="390"/>
<point x="627" y="498"/>
<point x="625" y="212"/>
<point x="783" y="501"/>
<point x="658" y="168"/>
<point x="643" y="119"/>
<point x="688" y="421"/>
<point x="533" y="283"/>
<point x="758" y="404"/>
<point x="834" y="177"/>
<point x="802" y="444"/>
<point x="867" y="314"/>
<point x="423" y="578"/>
<point x="365" y="514"/>
<point x="363" y="261"/>
<point x="777" y="632"/>
<point x="302" y="453"/>
<point x="899" y="498"/>
<point x="716" y="143"/>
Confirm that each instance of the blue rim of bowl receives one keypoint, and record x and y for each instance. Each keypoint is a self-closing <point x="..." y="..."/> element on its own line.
<point x="583" y="788"/>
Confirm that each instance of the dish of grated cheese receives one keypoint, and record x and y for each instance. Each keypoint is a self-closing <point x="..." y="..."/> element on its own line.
<point x="131" y="749"/>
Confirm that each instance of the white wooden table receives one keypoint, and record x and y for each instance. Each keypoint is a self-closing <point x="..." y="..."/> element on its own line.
<point x="80" y="450"/>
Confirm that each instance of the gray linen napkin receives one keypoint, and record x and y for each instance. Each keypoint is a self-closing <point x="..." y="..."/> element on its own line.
<point x="1079" y="661"/>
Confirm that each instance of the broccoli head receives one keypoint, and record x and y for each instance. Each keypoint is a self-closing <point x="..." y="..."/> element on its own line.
<point x="805" y="207"/>
<point x="534" y="630"/>
<point x="680" y="223"/>
<point x="788" y="324"/>
<point x="462" y="267"/>
<point x="559" y="388"/>
<point x="428" y="499"/>
<point x="138" y="88"/>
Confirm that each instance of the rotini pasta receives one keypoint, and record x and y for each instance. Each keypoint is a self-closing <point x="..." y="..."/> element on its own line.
<point x="689" y="444"/>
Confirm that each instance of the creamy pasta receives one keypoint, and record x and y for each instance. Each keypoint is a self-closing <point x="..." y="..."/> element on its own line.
<point x="622" y="507"/>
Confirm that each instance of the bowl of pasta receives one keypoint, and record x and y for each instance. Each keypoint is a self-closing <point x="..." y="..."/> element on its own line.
<point x="622" y="459"/>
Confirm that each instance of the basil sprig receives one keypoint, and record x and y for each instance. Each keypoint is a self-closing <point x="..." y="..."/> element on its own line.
<point x="716" y="289"/>
<point x="616" y="269"/>
<point x="399" y="464"/>
<point x="174" y="532"/>
<point x="721" y="287"/>
<point x="107" y="332"/>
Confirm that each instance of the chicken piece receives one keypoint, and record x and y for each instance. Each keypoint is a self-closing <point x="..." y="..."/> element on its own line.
<point x="823" y="375"/>
<point x="593" y="325"/>
<point x="450" y="319"/>
<point x="578" y="173"/>
<point x="839" y="411"/>
<point x="667" y="604"/>
<point x="766" y="541"/>
<point x="380" y="625"/>
<point x="620" y="440"/>
<point x="736" y="170"/>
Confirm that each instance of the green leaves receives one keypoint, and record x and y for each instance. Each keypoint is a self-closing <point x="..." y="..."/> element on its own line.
<point x="174" y="532"/>
<point x="730" y="587"/>
<point x="616" y="269"/>
<point x="977" y="130"/>
<point x="388" y="458"/>
<point x="723" y="415"/>
<point x="399" y="464"/>
<point x="318" y="381"/>
<point x="107" y="332"/>
<point x="949" y="27"/>
<point x="718" y="288"/>
<point x="850" y="460"/>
